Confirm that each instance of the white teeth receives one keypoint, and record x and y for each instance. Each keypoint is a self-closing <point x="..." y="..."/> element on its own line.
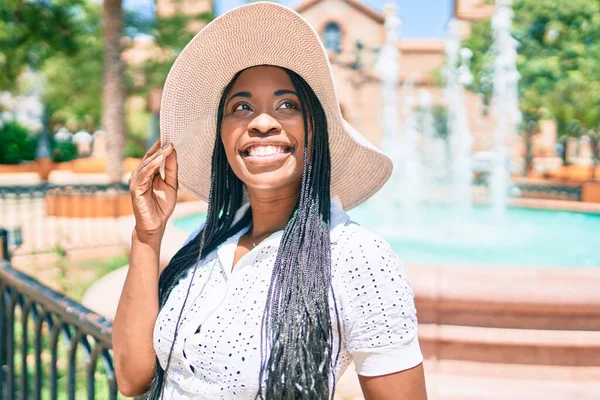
<point x="265" y="151"/>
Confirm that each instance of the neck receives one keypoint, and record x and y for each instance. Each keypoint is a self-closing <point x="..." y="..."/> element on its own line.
<point x="270" y="212"/>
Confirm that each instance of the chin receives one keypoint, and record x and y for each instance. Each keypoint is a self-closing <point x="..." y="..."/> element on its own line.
<point x="284" y="175"/>
<point x="275" y="180"/>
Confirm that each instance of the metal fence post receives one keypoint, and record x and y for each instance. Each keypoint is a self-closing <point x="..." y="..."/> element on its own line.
<point x="5" y="255"/>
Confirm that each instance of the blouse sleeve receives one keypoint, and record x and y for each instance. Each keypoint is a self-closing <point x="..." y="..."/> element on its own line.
<point x="379" y="315"/>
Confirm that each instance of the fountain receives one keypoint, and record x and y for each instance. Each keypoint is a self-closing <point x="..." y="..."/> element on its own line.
<point x="410" y="163"/>
<point x="433" y="149"/>
<point x="505" y="104"/>
<point x="387" y="67"/>
<point x="404" y="186"/>
<point x="461" y="142"/>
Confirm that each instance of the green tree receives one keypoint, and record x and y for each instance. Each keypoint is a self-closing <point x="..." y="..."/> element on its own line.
<point x="33" y="31"/>
<point x="557" y="58"/>
<point x="576" y="104"/>
<point x="73" y="90"/>
<point x="80" y="58"/>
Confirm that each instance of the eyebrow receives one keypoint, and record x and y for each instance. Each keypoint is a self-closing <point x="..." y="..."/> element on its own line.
<point x="281" y="92"/>
<point x="248" y="95"/>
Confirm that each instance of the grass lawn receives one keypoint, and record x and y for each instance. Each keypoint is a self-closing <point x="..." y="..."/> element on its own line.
<point x="72" y="277"/>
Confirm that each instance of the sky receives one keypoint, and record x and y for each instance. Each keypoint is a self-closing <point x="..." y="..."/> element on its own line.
<point x="420" y="18"/>
<point x="425" y="19"/>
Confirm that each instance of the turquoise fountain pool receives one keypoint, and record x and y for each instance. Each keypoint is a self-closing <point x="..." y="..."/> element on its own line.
<point x="527" y="237"/>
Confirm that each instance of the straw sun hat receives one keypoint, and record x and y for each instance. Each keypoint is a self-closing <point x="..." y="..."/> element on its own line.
<point x="260" y="33"/>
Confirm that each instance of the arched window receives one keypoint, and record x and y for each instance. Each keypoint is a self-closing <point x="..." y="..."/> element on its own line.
<point x="332" y="38"/>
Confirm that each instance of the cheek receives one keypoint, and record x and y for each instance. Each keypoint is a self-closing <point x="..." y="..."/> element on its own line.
<point x="229" y="139"/>
<point x="296" y="130"/>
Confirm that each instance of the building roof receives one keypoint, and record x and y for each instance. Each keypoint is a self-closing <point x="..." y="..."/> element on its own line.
<point x="375" y="15"/>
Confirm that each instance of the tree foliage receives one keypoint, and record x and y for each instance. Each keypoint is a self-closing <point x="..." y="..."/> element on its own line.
<point x="73" y="91"/>
<point x="33" y="31"/>
<point x="558" y="53"/>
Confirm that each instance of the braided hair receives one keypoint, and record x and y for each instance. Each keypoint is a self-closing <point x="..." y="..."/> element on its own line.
<point x="296" y="334"/>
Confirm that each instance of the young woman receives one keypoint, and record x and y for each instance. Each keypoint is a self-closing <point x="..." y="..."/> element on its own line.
<point x="279" y="291"/>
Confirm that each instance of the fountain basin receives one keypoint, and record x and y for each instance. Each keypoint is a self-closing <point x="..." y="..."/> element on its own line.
<point x="528" y="237"/>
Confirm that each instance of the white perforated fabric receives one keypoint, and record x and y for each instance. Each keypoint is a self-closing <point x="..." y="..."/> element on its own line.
<point x="222" y="360"/>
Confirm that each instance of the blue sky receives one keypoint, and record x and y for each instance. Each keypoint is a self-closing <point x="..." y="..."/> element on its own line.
<point x="420" y="18"/>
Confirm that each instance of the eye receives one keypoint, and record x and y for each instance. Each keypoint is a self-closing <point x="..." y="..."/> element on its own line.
<point x="288" y="105"/>
<point x="242" y="107"/>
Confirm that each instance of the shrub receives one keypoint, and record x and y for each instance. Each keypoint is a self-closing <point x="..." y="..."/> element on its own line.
<point x="63" y="151"/>
<point x="17" y="144"/>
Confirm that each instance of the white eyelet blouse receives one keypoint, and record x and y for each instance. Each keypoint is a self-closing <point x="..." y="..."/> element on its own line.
<point x="222" y="359"/>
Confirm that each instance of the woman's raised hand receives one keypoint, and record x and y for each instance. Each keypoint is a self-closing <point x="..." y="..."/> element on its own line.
<point x="153" y="197"/>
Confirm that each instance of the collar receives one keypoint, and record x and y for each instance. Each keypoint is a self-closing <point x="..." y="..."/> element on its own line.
<point x="226" y="251"/>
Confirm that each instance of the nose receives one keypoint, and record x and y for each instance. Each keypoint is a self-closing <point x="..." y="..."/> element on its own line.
<point x="264" y="124"/>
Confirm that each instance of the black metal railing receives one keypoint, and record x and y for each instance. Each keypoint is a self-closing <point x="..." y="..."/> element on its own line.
<point x="550" y="191"/>
<point x="51" y="346"/>
<point x="47" y="218"/>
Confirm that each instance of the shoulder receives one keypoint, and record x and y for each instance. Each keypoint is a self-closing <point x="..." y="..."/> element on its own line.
<point x="364" y="259"/>
<point x="371" y="239"/>
<point x="360" y="244"/>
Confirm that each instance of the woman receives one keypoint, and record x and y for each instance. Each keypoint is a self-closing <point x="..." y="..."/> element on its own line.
<point x="279" y="291"/>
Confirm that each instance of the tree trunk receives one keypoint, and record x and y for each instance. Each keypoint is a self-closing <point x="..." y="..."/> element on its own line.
<point x="529" y="131"/>
<point x="595" y="142"/>
<point x="113" y="115"/>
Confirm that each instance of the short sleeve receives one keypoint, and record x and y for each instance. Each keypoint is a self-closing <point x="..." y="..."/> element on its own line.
<point x="379" y="315"/>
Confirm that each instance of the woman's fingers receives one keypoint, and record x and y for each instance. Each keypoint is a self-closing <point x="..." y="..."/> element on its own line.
<point x="163" y="152"/>
<point x="146" y="173"/>
<point x="171" y="169"/>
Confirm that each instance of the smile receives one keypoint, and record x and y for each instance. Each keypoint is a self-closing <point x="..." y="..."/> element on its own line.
<point x="263" y="155"/>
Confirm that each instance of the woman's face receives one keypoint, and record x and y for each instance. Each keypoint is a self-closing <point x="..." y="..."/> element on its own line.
<point x="263" y="130"/>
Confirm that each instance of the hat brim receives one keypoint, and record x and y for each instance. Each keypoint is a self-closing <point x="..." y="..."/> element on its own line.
<point x="260" y="33"/>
